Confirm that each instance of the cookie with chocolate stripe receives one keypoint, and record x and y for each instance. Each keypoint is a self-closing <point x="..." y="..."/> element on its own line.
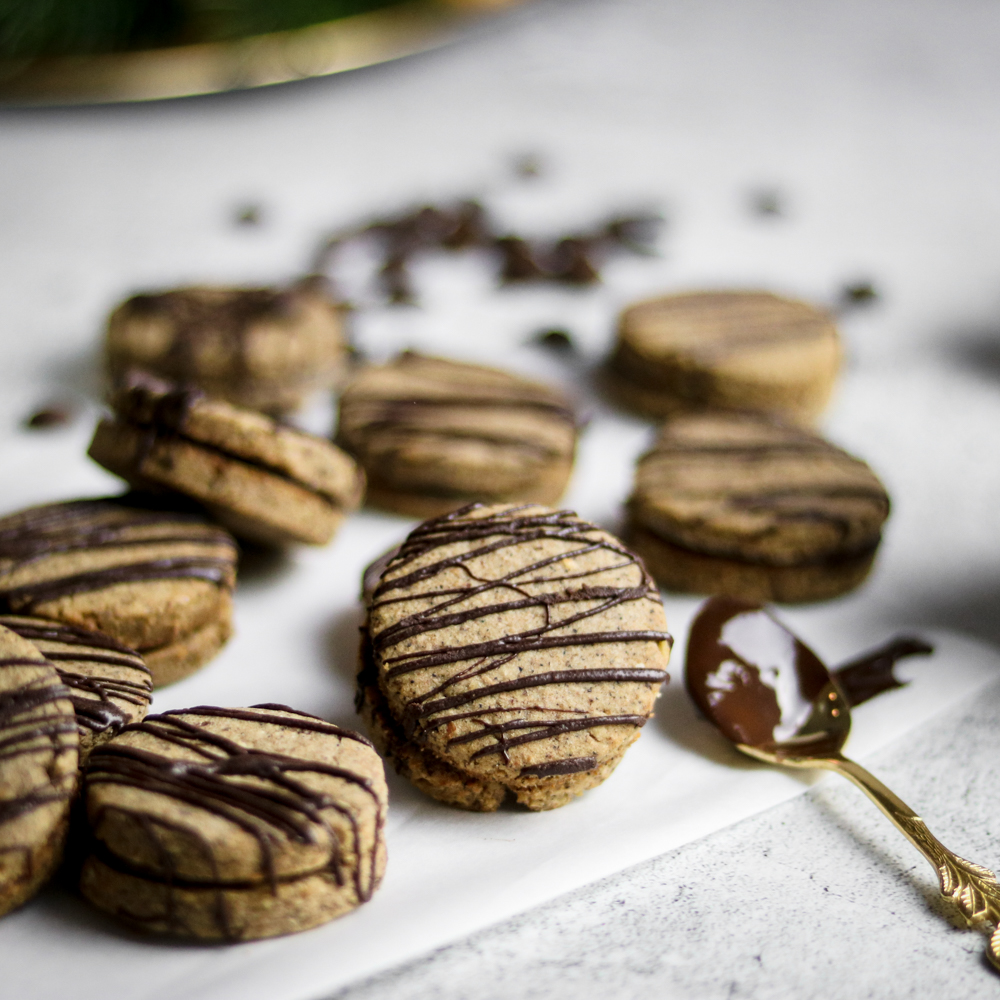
<point x="38" y="768"/>
<point x="158" y="581"/>
<point x="745" y="505"/>
<point x="109" y="684"/>
<point x="262" y="348"/>
<point x="433" y="434"/>
<point x="228" y="824"/>
<point x="731" y="350"/>
<point x="510" y="651"/>
<point x="266" y="482"/>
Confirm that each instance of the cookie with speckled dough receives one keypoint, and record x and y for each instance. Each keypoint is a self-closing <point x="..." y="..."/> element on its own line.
<point x="510" y="651"/>
<point x="434" y="434"/>
<point x="745" y="505"/>
<point x="109" y="684"/>
<point x="38" y="769"/>
<point x="228" y="824"/>
<point x="158" y="581"/>
<point x="730" y="350"/>
<point x="262" y="348"/>
<point x="266" y="482"/>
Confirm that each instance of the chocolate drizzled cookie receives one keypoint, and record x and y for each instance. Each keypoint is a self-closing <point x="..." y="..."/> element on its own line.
<point x="433" y="434"/>
<point x="511" y="648"/>
<point x="233" y="823"/>
<point x="109" y="684"/>
<point x="263" y="348"/>
<point x="730" y="350"/>
<point x="158" y="581"/>
<point x="38" y="768"/>
<point x="266" y="482"/>
<point x="744" y="505"/>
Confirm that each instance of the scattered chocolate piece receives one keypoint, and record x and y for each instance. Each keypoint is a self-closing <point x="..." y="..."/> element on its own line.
<point x="554" y="339"/>
<point x="767" y="202"/>
<point x="518" y="261"/>
<point x="571" y="259"/>
<point x="859" y="293"/>
<point x="248" y="215"/>
<point x="49" y="416"/>
<point x="870" y="674"/>
<point x="527" y="166"/>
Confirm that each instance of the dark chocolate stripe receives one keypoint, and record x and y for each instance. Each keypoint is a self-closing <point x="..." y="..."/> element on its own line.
<point x="27" y="729"/>
<point x="613" y="675"/>
<point x="215" y="571"/>
<point x="571" y="765"/>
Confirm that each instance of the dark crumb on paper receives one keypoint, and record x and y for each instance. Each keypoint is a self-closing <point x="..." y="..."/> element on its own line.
<point x="572" y="258"/>
<point x="767" y="203"/>
<point x="859" y="293"/>
<point x="554" y="339"/>
<point x="48" y="417"/>
<point x="248" y="215"/>
<point x="527" y="166"/>
<point x="517" y="260"/>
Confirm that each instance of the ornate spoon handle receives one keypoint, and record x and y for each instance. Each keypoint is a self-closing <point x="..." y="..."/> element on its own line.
<point x="974" y="890"/>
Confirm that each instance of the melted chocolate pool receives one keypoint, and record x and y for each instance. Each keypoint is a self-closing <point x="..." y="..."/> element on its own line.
<point x="758" y="682"/>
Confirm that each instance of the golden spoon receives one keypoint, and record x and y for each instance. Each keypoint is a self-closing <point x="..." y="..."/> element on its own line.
<point x="773" y="697"/>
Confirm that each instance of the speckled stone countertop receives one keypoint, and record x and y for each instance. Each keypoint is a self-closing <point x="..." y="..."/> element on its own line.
<point x="819" y="897"/>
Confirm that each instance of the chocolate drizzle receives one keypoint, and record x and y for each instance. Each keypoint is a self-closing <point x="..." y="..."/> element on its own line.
<point x="34" y="535"/>
<point x="30" y="725"/>
<point x="94" y="695"/>
<point x="868" y="675"/>
<point x="566" y="596"/>
<point x="272" y="806"/>
<point x="748" y="487"/>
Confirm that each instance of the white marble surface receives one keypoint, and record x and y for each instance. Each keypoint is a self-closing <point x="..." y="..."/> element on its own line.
<point x="819" y="897"/>
<point x="878" y="124"/>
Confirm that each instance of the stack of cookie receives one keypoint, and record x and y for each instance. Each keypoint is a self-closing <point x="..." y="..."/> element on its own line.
<point x="738" y="496"/>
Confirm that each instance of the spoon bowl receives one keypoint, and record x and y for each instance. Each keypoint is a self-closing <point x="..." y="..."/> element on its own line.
<point x="772" y="696"/>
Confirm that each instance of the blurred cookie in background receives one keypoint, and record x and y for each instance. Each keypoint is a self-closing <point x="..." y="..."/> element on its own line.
<point x="434" y="434"/>
<point x="263" y="348"/>
<point x="732" y="350"/>
<point x="749" y="506"/>
<point x="156" y="580"/>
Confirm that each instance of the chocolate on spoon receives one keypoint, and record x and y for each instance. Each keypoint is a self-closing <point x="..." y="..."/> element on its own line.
<point x="772" y="696"/>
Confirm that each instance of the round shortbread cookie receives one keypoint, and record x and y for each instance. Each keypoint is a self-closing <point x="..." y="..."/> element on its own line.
<point x="109" y="684"/>
<point x="38" y="768"/>
<point x="731" y="350"/>
<point x="742" y="504"/>
<point x="233" y="823"/>
<point x="148" y="578"/>
<point x="433" y="434"/>
<point x="266" y="482"/>
<point x="511" y="649"/>
<point x="263" y="348"/>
